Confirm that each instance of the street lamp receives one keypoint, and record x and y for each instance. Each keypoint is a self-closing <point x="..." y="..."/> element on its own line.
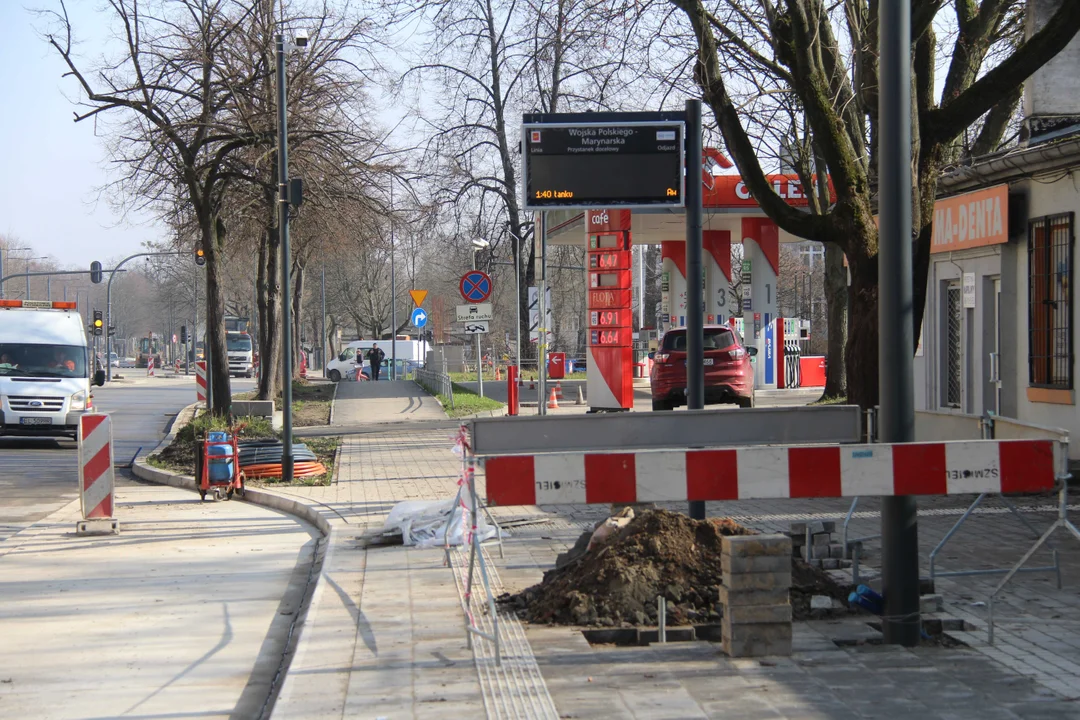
<point x="300" y="40"/>
<point x="517" y="301"/>
<point x="9" y="251"/>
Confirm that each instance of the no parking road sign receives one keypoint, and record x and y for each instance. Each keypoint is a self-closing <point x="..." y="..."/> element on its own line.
<point x="475" y="286"/>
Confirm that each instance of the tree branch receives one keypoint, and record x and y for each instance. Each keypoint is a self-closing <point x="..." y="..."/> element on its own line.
<point x="949" y="121"/>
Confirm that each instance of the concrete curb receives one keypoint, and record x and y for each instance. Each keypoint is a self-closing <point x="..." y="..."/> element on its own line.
<point x="333" y="402"/>
<point x="266" y="498"/>
<point x="483" y="414"/>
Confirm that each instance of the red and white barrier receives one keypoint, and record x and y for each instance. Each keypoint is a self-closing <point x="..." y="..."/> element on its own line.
<point x="200" y="381"/>
<point x="97" y="481"/>
<point x="947" y="468"/>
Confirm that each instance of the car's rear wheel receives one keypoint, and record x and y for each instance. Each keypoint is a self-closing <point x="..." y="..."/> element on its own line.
<point x="662" y="405"/>
<point x="335" y="376"/>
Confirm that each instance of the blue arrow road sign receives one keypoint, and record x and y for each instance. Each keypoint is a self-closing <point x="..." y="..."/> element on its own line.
<point x="419" y="317"/>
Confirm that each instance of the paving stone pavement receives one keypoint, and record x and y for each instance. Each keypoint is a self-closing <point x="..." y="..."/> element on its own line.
<point x="358" y="403"/>
<point x="385" y="637"/>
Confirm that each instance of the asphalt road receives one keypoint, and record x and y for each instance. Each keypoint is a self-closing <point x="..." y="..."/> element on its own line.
<point x="40" y="475"/>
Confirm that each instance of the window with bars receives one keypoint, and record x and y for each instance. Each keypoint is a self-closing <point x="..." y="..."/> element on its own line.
<point x="954" y="351"/>
<point x="1050" y="338"/>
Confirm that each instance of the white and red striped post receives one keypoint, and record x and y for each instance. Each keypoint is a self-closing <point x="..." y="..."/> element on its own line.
<point x="97" y="480"/>
<point x="200" y="381"/>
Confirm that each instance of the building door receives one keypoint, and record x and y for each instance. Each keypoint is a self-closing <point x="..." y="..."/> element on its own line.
<point x="953" y="367"/>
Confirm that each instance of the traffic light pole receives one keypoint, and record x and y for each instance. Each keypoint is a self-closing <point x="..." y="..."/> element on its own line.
<point x="108" y="296"/>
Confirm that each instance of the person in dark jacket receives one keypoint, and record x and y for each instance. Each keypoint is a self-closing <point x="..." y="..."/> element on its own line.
<point x="375" y="356"/>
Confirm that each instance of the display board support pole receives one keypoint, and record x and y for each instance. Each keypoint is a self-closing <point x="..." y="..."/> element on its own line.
<point x="901" y="623"/>
<point x="541" y="326"/>
<point x="695" y="330"/>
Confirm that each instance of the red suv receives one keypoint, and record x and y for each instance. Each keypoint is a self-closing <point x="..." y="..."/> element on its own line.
<point x="729" y="376"/>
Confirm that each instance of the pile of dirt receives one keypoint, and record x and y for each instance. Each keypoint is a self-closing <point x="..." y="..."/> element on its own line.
<point x="617" y="580"/>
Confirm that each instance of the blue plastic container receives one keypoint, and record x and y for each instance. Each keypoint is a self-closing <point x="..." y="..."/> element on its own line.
<point x="220" y="461"/>
<point x="217" y="436"/>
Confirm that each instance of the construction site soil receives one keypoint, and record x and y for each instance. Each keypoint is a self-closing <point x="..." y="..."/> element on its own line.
<point x="615" y="583"/>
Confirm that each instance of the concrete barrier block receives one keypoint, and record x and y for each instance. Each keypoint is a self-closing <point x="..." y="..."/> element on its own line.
<point x="779" y="580"/>
<point x="931" y="604"/>
<point x="253" y="408"/>
<point x="736" y="598"/>
<point x="755" y="545"/>
<point x="756" y="640"/>
<point x="768" y="563"/>
<point x="757" y="614"/>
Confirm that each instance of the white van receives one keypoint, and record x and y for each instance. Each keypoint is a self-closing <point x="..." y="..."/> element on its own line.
<point x="410" y="354"/>
<point x="45" y="368"/>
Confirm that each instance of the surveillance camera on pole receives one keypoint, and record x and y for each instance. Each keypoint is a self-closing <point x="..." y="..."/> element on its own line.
<point x="301" y="38"/>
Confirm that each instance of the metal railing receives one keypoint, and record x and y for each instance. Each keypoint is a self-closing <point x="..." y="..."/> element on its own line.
<point x="436" y="383"/>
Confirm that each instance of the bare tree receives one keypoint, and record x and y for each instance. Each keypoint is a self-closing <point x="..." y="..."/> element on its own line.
<point x="800" y="46"/>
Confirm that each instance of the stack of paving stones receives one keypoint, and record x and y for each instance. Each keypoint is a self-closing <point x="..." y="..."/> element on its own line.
<point x="816" y="542"/>
<point x="755" y="595"/>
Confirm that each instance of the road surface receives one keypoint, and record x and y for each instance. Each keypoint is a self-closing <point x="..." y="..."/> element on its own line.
<point x="40" y="475"/>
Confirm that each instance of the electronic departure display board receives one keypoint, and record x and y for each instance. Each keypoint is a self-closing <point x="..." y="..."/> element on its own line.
<point x="592" y="163"/>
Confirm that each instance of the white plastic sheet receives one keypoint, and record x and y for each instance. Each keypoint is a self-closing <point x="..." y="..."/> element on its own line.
<point x="423" y="522"/>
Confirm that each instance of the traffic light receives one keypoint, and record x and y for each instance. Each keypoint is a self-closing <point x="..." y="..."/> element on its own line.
<point x="200" y="256"/>
<point x="95" y="272"/>
<point x="98" y="322"/>
<point x="183" y="334"/>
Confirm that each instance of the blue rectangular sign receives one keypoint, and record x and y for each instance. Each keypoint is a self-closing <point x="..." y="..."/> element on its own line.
<point x="770" y="363"/>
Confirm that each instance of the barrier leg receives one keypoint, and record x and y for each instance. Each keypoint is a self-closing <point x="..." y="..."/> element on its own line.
<point x="952" y="531"/>
<point x="1056" y="567"/>
<point x="1062" y="521"/>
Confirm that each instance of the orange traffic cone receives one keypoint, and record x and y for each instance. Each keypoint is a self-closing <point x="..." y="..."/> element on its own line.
<point x="553" y="403"/>
<point x="558" y="390"/>
<point x="498" y="373"/>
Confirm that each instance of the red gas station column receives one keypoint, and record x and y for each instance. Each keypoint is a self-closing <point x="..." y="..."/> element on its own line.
<point x="610" y="375"/>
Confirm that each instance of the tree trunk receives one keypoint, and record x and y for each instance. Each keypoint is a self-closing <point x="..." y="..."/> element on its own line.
<point x="836" y="307"/>
<point x="862" y="346"/>
<point x="270" y="339"/>
<point x="297" y="308"/>
<point x="218" y="373"/>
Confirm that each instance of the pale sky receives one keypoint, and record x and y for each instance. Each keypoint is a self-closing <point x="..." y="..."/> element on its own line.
<point x="52" y="166"/>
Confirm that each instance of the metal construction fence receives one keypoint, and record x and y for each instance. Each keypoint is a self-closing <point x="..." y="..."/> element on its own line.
<point x="436" y="383"/>
<point x="764" y="453"/>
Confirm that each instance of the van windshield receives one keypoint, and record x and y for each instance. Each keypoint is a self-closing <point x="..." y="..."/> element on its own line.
<point x="238" y="343"/>
<point x="42" y="360"/>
